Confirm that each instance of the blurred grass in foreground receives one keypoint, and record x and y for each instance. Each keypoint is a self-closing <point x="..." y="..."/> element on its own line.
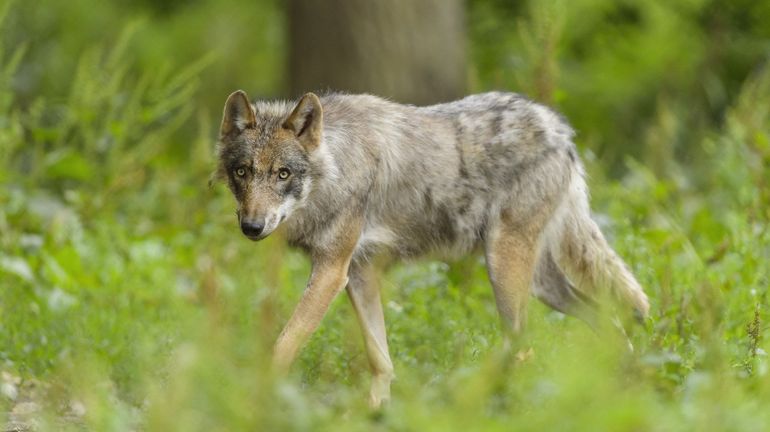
<point x="128" y="300"/>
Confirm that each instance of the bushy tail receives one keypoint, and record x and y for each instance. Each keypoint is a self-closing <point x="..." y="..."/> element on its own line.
<point x="581" y="251"/>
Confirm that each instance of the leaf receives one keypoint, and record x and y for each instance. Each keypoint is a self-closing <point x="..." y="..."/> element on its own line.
<point x="17" y="266"/>
<point x="71" y="165"/>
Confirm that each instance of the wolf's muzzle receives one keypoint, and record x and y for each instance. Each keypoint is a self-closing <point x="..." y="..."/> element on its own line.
<point x="252" y="228"/>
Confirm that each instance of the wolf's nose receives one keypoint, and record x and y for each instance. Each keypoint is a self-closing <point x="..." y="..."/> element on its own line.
<point x="252" y="228"/>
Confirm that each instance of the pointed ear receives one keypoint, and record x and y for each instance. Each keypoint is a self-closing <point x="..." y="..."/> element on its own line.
<point x="238" y="115"/>
<point x="306" y="121"/>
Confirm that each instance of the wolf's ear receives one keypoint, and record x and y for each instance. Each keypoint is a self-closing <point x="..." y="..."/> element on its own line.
<point x="306" y="121"/>
<point x="238" y="115"/>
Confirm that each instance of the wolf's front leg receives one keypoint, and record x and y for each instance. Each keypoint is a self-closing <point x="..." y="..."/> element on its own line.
<point x="364" y="293"/>
<point x="329" y="276"/>
<point x="325" y="283"/>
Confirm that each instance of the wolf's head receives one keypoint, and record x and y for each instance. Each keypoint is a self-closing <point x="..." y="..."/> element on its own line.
<point x="267" y="158"/>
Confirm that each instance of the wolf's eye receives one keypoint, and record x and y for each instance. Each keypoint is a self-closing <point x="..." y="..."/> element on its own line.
<point x="283" y="173"/>
<point x="240" y="172"/>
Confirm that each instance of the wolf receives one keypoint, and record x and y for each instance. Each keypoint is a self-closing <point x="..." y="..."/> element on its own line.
<point x="353" y="178"/>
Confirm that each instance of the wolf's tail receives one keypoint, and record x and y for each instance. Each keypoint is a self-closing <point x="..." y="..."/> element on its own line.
<point x="581" y="251"/>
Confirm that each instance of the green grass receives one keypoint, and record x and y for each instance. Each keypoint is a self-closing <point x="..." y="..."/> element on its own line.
<point x="129" y="300"/>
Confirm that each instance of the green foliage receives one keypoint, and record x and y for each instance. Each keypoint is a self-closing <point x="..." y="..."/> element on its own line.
<point x="129" y="301"/>
<point x="635" y="78"/>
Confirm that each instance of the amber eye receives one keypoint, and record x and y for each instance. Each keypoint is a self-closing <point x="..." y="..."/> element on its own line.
<point x="283" y="173"/>
<point x="240" y="172"/>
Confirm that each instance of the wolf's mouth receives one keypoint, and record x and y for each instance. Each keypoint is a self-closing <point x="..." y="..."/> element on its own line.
<point x="256" y="237"/>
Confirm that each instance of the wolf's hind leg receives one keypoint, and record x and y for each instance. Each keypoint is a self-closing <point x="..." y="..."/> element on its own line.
<point x="511" y="254"/>
<point x="364" y="294"/>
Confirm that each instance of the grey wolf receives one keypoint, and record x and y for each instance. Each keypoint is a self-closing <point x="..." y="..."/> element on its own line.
<point x="356" y="177"/>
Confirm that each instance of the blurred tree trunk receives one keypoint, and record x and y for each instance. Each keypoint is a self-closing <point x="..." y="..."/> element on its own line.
<point x="410" y="51"/>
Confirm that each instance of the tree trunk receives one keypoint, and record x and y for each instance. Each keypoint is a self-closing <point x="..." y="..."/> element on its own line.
<point x="410" y="51"/>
